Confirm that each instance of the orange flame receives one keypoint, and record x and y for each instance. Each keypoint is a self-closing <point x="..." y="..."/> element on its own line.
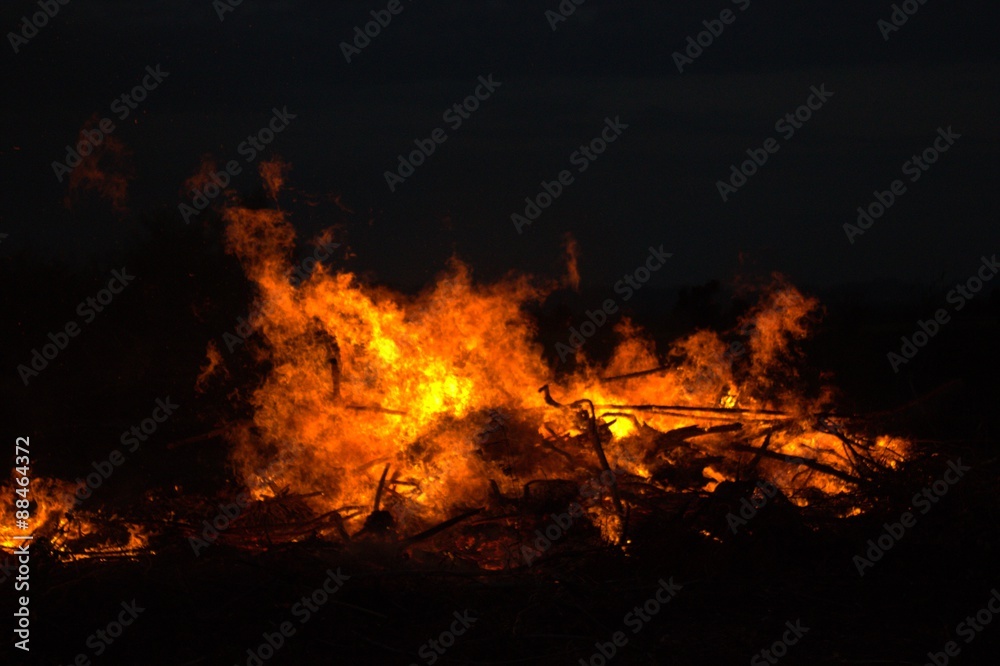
<point x="202" y="177"/>
<point x="71" y="535"/>
<point x="273" y="173"/>
<point x="572" y="279"/>
<point x="427" y="406"/>
<point x="213" y="358"/>
<point x="361" y="377"/>
<point x="106" y="171"/>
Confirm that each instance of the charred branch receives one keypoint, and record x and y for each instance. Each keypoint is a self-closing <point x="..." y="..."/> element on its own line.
<point x="783" y="457"/>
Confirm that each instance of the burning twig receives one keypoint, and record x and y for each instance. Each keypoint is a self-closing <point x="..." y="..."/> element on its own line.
<point x="375" y="408"/>
<point x="678" y="438"/>
<point x="547" y="443"/>
<point x="381" y="485"/>
<point x="784" y="457"/>
<point x="858" y="456"/>
<point x="763" y="448"/>
<point x="440" y="527"/>
<point x="211" y="434"/>
<point x="592" y="423"/>
<point x="633" y="375"/>
<point x="687" y="408"/>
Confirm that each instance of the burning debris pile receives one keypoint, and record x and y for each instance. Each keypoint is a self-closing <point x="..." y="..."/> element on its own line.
<point x="433" y="423"/>
<point x="400" y="416"/>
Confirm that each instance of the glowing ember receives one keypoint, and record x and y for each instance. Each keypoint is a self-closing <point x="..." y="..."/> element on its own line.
<point x="69" y="535"/>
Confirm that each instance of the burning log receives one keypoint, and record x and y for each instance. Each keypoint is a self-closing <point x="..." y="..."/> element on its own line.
<point x="666" y="409"/>
<point x="591" y="422"/>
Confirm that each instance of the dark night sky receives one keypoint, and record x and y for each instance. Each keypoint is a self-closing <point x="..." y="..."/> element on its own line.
<point x="655" y="185"/>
